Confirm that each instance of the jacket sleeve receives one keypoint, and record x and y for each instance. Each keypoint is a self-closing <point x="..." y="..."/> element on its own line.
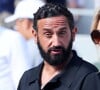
<point x="92" y="82"/>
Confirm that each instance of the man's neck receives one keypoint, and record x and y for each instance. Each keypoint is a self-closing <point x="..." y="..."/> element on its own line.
<point x="48" y="73"/>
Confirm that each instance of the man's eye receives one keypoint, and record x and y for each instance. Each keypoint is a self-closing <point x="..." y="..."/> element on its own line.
<point x="48" y="35"/>
<point x="62" y="33"/>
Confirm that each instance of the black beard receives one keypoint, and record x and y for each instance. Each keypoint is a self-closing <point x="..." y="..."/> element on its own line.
<point x="57" y="59"/>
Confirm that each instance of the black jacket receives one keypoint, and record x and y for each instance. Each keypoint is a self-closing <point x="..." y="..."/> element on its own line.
<point x="78" y="75"/>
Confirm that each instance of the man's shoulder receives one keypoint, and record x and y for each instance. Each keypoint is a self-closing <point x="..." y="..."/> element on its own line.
<point x="83" y="64"/>
<point x="87" y="67"/>
<point x="81" y="70"/>
<point x="33" y="70"/>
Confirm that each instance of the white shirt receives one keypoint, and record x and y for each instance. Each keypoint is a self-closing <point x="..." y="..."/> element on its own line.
<point x="14" y="59"/>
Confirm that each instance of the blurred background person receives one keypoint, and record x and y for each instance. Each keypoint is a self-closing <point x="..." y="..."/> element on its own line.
<point x="14" y="58"/>
<point x="95" y="35"/>
<point x="13" y="48"/>
<point x="22" y="17"/>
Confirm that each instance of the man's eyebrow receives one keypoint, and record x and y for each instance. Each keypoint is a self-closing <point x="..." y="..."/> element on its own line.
<point x="46" y="29"/>
<point x="63" y="28"/>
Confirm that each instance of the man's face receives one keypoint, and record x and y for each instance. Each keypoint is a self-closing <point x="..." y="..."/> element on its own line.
<point x="54" y="39"/>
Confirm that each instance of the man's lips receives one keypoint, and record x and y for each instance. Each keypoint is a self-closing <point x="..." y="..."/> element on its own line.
<point x="56" y="51"/>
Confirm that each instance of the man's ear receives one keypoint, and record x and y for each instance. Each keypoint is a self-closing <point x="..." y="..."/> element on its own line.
<point x="74" y="32"/>
<point x="34" y="32"/>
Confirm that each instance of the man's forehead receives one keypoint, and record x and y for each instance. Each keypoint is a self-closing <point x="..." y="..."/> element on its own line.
<point x="53" y="21"/>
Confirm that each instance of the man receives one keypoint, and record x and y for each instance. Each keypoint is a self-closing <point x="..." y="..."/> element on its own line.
<point x="61" y="69"/>
<point x="23" y="18"/>
<point x="14" y="58"/>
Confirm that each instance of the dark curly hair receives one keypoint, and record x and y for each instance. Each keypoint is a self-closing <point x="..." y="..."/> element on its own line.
<point x="52" y="10"/>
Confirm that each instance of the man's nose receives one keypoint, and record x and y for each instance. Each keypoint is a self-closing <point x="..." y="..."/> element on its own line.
<point x="56" y="41"/>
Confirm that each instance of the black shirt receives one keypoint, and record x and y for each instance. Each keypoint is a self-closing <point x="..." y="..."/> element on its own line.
<point x="78" y="75"/>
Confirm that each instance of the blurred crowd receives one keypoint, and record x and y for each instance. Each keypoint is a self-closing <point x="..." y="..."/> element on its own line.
<point x="7" y="8"/>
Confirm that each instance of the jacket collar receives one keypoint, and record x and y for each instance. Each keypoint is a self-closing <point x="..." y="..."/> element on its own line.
<point x="35" y="74"/>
